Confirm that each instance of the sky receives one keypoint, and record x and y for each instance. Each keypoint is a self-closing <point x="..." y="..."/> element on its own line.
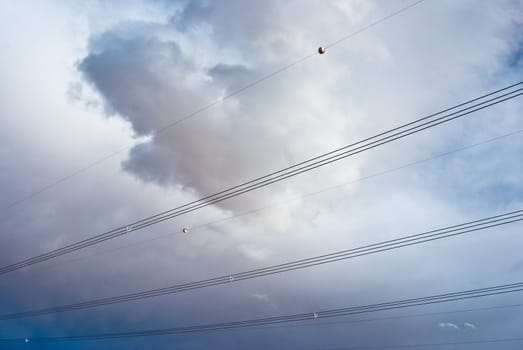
<point x="86" y="85"/>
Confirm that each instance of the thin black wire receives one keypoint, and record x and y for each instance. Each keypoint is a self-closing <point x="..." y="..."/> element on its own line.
<point x="301" y="168"/>
<point x="388" y="318"/>
<point x="419" y="238"/>
<point x="261" y="272"/>
<point x="305" y="166"/>
<point x="317" y="159"/>
<point x="255" y="210"/>
<point x="309" y="316"/>
<point x="205" y="108"/>
<point x="465" y="342"/>
<point x="116" y="233"/>
<point x="373" y="24"/>
<point x="366" y="177"/>
<point x="155" y="220"/>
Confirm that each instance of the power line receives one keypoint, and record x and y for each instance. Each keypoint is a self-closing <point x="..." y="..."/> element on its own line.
<point x="419" y="345"/>
<point x="388" y="318"/>
<point x="309" y="316"/>
<point x="272" y="205"/>
<point x="383" y="19"/>
<point x="446" y="115"/>
<point x="206" y="107"/>
<point x="419" y="238"/>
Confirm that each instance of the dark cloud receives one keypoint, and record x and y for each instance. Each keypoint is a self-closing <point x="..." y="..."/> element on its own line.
<point x="153" y="81"/>
<point x="141" y="79"/>
<point x="148" y="67"/>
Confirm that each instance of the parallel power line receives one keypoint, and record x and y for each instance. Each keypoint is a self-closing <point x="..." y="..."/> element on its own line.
<point x="425" y="345"/>
<point x="275" y="204"/>
<point x="309" y="316"/>
<point x="424" y="237"/>
<point x="444" y="116"/>
<point x="210" y="105"/>
<point x="389" y="318"/>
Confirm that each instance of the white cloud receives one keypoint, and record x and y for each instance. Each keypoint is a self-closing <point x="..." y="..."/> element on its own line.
<point x="151" y="63"/>
<point x="448" y="325"/>
<point x="454" y="326"/>
<point x="254" y="253"/>
<point x="469" y="325"/>
<point x="263" y="297"/>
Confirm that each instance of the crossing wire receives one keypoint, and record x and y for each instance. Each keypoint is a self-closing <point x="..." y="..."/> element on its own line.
<point x="269" y="206"/>
<point x="419" y="238"/>
<point x="209" y="106"/>
<point x="444" y="116"/>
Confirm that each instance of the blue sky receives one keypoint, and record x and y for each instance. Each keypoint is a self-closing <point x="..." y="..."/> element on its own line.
<point x="84" y="79"/>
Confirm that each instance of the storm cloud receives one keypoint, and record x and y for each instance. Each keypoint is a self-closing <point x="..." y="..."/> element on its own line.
<point x="160" y="84"/>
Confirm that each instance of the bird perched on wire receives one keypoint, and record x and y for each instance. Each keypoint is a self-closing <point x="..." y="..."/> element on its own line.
<point x="185" y="230"/>
<point x="322" y="50"/>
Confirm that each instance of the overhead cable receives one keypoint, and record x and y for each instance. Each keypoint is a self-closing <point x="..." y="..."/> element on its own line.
<point x="425" y="345"/>
<point x="444" y="116"/>
<point x="208" y="106"/>
<point x="419" y="238"/>
<point x="308" y="316"/>
<point x="275" y="204"/>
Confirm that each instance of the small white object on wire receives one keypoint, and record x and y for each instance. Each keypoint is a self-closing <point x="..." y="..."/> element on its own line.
<point x="231" y="278"/>
<point x="26" y="340"/>
<point x="128" y="229"/>
<point x="316" y="315"/>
